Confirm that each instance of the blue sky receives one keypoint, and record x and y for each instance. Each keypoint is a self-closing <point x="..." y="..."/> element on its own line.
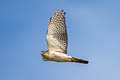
<point x="94" y="34"/>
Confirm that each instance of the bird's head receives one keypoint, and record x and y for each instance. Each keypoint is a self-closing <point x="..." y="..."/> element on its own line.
<point x="45" y="54"/>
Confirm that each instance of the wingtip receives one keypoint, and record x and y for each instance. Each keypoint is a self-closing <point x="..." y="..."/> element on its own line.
<point x="60" y="10"/>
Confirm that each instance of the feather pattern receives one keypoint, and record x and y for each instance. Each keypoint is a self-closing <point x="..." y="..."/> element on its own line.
<point x="57" y="39"/>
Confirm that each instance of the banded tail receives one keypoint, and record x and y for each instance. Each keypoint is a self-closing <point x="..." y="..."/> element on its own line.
<point x="79" y="60"/>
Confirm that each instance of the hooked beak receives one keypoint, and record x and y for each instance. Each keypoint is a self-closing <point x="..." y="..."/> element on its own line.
<point x="43" y="52"/>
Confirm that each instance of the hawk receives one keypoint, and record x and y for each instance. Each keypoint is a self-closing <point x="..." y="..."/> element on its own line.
<point x="57" y="40"/>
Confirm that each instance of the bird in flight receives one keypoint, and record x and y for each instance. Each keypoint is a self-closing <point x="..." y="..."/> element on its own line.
<point x="57" y="40"/>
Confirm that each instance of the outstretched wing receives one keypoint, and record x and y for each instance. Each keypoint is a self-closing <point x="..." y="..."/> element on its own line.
<point x="57" y="33"/>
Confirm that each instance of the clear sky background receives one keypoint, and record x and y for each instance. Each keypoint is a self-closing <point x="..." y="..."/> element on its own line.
<point x="93" y="32"/>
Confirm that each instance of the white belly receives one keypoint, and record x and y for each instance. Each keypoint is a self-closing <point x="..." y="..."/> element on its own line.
<point x="59" y="57"/>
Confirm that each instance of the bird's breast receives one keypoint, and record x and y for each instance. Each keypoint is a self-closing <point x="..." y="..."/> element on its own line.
<point x="59" y="57"/>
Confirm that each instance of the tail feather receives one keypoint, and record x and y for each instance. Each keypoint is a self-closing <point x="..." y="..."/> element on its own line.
<point x="79" y="60"/>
